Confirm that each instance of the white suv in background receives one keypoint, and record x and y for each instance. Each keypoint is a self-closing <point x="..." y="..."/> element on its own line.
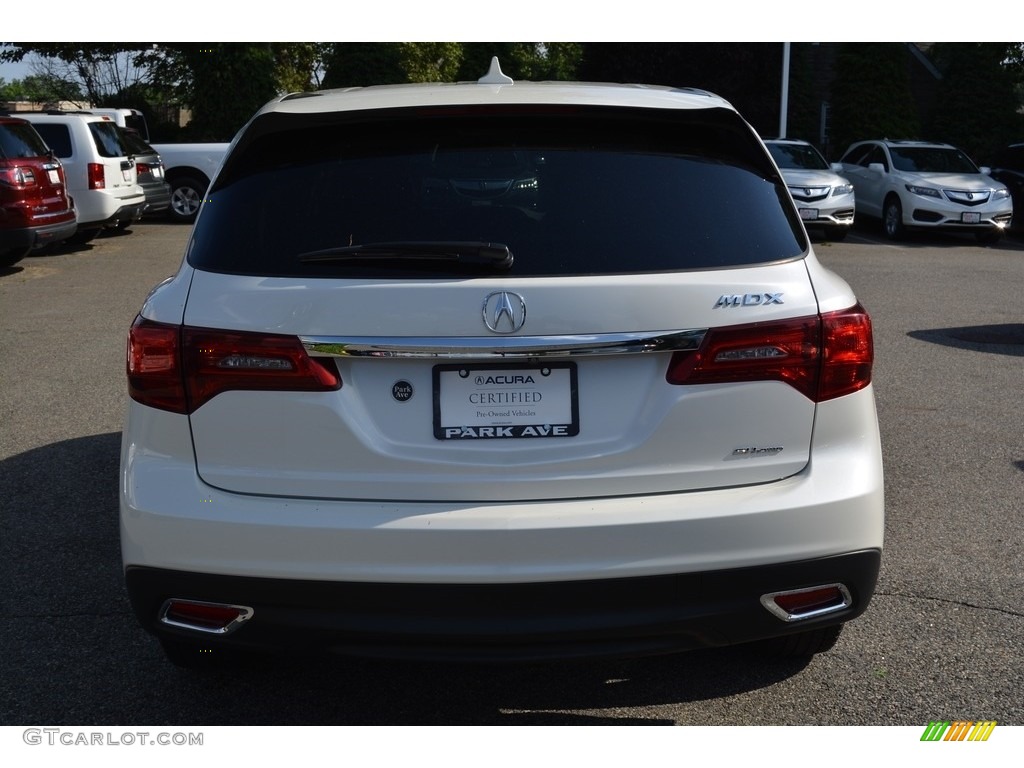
<point x="927" y="185"/>
<point x="493" y="374"/>
<point x="101" y="176"/>
<point x="824" y="198"/>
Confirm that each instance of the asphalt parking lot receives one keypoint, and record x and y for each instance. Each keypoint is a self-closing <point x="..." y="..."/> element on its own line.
<point x="942" y="639"/>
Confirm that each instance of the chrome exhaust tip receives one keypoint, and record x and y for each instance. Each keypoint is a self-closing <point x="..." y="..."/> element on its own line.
<point x="807" y="603"/>
<point x="200" y="616"/>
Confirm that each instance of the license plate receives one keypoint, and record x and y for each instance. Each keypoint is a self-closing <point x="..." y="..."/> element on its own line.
<point x="127" y="174"/>
<point x="970" y="218"/>
<point x="808" y="214"/>
<point x="488" y="402"/>
<point x="53" y="176"/>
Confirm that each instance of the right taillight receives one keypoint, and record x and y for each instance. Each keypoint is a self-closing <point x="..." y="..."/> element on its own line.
<point x="823" y="357"/>
<point x="97" y="176"/>
<point x="849" y="352"/>
<point x="179" y="369"/>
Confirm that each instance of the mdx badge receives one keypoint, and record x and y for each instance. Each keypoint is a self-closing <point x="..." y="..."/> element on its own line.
<point x="748" y="300"/>
<point x="504" y="312"/>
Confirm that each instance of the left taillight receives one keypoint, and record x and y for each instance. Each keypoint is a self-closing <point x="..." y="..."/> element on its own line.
<point x="179" y="369"/>
<point x="154" y="366"/>
<point x="19" y="176"/>
<point x="97" y="175"/>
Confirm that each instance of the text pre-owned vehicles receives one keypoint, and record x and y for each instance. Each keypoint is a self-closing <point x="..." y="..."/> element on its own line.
<point x="150" y="172"/>
<point x="927" y="185"/>
<point x="587" y="416"/>
<point x="824" y="198"/>
<point x="35" y="209"/>
<point x="101" y="176"/>
<point x="1008" y="169"/>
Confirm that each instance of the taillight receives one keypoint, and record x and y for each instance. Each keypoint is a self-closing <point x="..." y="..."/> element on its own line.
<point x="154" y="366"/>
<point x="17" y="177"/>
<point x="141" y="168"/>
<point x="97" y="176"/>
<point x="849" y="352"/>
<point x="179" y="369"/>
<point x="823" y="357"/>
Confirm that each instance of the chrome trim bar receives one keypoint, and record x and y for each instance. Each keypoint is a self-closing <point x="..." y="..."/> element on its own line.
<point x="506" y="348"/>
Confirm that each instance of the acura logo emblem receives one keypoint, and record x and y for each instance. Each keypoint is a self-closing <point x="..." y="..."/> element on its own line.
<point x="504" y="312"/>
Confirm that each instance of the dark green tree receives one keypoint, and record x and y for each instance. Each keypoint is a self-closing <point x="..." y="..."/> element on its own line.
<point x="362" y="64"/>
<point x="522" y="61"/>
<point x="748" y="75"/>
<point x="978" y="108"/>
<point x="41" y="89"/>
<point x="871" y="95"/>
<point x="224" y="84"/>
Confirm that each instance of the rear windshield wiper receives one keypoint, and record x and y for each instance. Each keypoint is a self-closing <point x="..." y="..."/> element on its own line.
<point x="470" y="253"/>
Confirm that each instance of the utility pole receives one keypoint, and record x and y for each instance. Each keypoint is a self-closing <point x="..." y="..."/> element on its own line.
<point x="784" y="106"/>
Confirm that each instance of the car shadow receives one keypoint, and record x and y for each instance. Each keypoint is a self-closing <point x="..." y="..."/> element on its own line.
<point x="74" y="653"/>
<point x="1004" y="339"/>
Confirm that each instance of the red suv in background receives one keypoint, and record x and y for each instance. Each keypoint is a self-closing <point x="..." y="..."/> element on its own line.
<point x="35" y="209"/>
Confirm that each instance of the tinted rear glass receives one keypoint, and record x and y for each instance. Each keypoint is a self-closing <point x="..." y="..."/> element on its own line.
<point x="107" y="139"/>
<point x="20" y="140"/>
<point x="569" y="191"/>
<point x="57" y="137"/>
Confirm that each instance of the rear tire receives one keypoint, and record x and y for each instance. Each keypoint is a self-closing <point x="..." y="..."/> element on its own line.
<point x="804" y="644"/>
<point x="186" y="197"/>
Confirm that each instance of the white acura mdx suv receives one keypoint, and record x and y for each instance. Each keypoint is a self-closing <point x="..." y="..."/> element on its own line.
<point x="487" y="370"/>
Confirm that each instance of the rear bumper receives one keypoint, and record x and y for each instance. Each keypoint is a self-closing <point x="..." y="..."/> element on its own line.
<point x="605" y="617"/>
<point x="158" y="196"/>
<point x="28" y="238"/>
<point x="544" y="578"/>
<point x="103" y="210"/>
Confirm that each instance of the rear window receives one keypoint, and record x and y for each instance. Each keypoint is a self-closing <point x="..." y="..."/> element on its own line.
<point x="135" y="145"/>
<point x="568" y="190"/>
<point x="20" y="140"/>
<point x="106" y="137"/>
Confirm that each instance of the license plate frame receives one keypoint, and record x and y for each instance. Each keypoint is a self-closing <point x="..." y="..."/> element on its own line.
<point x="512" y="401"/>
